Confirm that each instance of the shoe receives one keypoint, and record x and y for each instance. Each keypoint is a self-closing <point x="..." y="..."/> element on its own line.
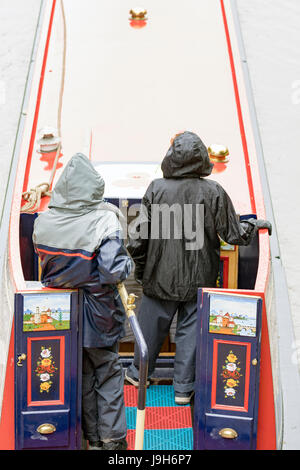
<point x="95" y="445"/>
<point x="183" y="398"/>
<point x="115" y="445"/>
<point x="133" y="381"/>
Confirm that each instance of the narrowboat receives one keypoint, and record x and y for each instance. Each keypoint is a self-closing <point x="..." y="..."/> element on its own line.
<point x="116" y="82"/>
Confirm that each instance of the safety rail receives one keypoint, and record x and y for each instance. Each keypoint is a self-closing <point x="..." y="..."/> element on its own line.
<point x="128" y="302"/>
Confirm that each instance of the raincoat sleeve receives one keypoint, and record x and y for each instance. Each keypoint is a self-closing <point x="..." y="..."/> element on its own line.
<point x="139" y="234"/>
<point x="227" y="222"/>
<point x="114" y="263"/>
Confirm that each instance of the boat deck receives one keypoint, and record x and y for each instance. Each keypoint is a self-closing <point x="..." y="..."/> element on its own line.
<point x="143" y="87"/>
<point x="167" y="426"/>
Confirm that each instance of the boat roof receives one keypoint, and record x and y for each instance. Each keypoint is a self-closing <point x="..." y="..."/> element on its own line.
<point x="125" y="92"/>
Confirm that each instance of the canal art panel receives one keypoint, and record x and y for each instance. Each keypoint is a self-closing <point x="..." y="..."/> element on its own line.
<point x="233" y="315"/>
<point x="230" y="376"/>
<point x="227" y="370"/>
<point x="47" y="367"/>
<point x="46" y="312"/>
<point x="46" y="364"/>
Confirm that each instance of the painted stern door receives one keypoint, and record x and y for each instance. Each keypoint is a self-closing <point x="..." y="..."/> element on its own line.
<point x="227" y="371"/>
<point x="47" y="370"/>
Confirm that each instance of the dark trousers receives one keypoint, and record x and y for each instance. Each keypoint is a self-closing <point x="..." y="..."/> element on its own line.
<point x="103" y="409"/>
<point x="155" y="318"/>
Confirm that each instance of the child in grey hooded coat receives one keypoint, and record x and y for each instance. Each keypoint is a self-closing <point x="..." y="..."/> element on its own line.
<point x="79" y="242"/>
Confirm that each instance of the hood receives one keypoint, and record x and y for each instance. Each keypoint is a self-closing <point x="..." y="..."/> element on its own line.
<point x="187" y="158"/>
<point x="78" y="218"/>
<point x="80" y="187"/>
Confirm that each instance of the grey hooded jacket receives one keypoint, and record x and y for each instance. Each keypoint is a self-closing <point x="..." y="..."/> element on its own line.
<point x="79" y="242"/>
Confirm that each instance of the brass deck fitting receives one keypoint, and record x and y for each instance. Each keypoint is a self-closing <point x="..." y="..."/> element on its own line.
<point x="218" y="153"/>
<point x="138" y="14"/>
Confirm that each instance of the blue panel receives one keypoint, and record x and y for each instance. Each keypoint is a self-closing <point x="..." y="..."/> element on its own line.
<point x="48" y="381"/>
<point x="227" y="370"/>
<point x="29" y="258"/>
<point x="30" y="421"/>
<point x="243" y="427"/>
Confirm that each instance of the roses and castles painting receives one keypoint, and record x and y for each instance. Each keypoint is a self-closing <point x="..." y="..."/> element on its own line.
<point x="46" y="312"/>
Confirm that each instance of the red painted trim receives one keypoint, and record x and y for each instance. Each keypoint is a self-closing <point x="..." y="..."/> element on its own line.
<point x="39" y="96"/>
<point x="266" y="425"/>
<point x="24" y="167"/>
<point x="61" y="372"/>
<point x="214" y="405"/>
<point x="239" y="110"/>
<point x="72" y="255"/>
<point x="225" y="260"/>
<point x="7" y="423"/>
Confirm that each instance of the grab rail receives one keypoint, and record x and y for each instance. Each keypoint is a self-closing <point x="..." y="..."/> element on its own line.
<point x="128" y="302"/>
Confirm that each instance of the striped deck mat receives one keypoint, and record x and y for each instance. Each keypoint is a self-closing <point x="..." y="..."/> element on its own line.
<point x="167" y="426"/>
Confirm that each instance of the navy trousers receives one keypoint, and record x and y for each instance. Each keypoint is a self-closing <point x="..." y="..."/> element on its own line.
<point x="103" y="408"/>
<point x="155" y="318"/>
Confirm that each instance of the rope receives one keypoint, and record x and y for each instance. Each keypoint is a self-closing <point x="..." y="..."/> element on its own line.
<point x="34" y="195"/>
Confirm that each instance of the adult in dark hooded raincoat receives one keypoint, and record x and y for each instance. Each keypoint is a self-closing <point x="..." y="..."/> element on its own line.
<point x="80" y="245"/>
<point x="171" y="273"/>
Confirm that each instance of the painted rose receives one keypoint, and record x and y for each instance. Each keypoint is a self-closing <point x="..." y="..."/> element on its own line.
<point x="231" y="366"/>
<point x="45" y="353"/>
<point x="231" y="357"/>
<point x="230" y="392"/>
<point x="46" y="362"/>
<point x="45" y="386"/>
<point x="231" y="383"/>
<point x="44" y="377"/>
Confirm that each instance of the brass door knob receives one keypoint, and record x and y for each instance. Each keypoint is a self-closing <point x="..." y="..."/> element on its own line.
<point x="228" y="433"/>
<point x="21" y="358"/>
<point x="46" y="428"/>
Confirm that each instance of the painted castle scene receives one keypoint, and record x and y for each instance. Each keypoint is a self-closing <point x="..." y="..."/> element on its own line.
<point x="46" y="312"/>
<point x="232" y="315"/>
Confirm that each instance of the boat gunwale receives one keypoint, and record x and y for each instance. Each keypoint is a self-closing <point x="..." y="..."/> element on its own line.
<point x="18" y="176"/>
<point x="287" y="436"/>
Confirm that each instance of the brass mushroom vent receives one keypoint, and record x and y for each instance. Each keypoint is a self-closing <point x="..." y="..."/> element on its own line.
<point x="138" y="18"/>
<point x="218" y="153"/>
<point x="138" y="14"/>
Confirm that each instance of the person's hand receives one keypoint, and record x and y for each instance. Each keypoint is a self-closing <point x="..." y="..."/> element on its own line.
<point x="261" y="224"/>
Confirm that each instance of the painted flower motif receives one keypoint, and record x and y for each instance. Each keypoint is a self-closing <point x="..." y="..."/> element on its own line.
<point x="45" y="377"/>
<point x="231" y="357"/>
<point x="45" y="369"/>
<point x="231" y="366"/>
<point x="231" y="373"/>
<point x="46" y="362"/>
<point x="231" y="383"/>
<point x="45" y="386"/>
<point x="45" y="353"/>
<point x="230" y="392"/>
